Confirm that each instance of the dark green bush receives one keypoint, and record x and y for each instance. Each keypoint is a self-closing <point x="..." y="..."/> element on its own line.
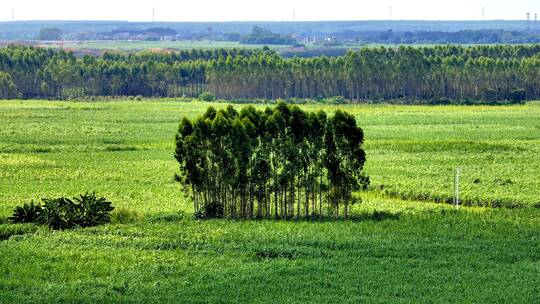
<point x="518" y="95"/>
<point x="27" y="213"/>
<point x="57" y="213"/>
<point x="213" y="210"/>
<point x="64" y="213"/>
<point x="207" y="96"/>
<point x="93" y="210"/>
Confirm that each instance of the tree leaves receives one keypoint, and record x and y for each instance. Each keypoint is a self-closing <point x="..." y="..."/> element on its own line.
<point x="272" y="163"/>
<point x="64" y="213"/>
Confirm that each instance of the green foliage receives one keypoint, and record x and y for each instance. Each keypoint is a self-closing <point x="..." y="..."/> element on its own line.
<point x="412" y="151"/>
<point x="8" y="89"/>
<point x="50" y="34"/>
<point x="212" y="210"/>
<point x="396" y="74"/>
<point x="207" y="96"/>
<point x="64" y="213"/>
<point x="58" y="213"/>
<point x="518" y="95"/>
<point x="125" y="215"/>
<point x="260" y="35"/>
<point x="277" y="163"/>
<point x="61" y="147"/>
<point x="27" y="213"/>
<point x="92" y="210"/>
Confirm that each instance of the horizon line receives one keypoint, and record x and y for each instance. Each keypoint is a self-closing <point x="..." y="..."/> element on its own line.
<point x="253" y="21"/>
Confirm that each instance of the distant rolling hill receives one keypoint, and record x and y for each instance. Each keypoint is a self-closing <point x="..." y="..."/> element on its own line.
<point x="21" y="30"/>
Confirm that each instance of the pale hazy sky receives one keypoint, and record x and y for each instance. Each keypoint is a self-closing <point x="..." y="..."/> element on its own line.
<point x="243" y="10"/>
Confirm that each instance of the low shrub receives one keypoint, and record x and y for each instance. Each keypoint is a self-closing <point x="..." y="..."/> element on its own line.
<point x="213" y="210"/>
<point x="207" y="96"/>
<point x="27" y="213"/>
<point x="125" y="216"/>
<point x="64" y="213"/>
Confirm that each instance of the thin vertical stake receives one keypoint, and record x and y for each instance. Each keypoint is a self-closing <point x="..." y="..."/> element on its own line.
<point x="456" y="187"/>
<point x="454" y="196"/>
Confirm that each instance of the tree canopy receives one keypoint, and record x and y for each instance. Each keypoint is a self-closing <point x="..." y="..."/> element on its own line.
<point x="8" y="89"/>
<point x="279" y="162"/>
<point x="260" y="35"/>
<point x="50" y="34"/>
<point x="451" y="73"/>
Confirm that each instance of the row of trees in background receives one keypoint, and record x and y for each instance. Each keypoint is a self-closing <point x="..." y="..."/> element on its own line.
<point x="456" y="73"/>
<point x="8" y="89"/>
<point x="407" y="73"/>
<point x="50" y="34"/>
<point x="437" y="37"/>
<point x="278" y="163"/>
<point x="260" y="35"/>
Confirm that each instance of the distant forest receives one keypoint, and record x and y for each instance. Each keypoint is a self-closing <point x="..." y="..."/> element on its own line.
<point x="322" y="33"/>
<point x="30" y="29"/>
<point x="440" y="37"/>
<point x="406" y="73"/>
<point x="260" y="35"/>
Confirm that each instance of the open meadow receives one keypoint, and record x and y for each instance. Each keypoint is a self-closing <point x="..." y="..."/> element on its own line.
<point x="173" y="45"/>
<point x="405" y="244"/>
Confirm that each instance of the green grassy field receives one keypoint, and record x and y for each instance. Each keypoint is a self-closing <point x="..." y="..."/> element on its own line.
<point x="127" y="45"/>
<point x="404" y="248"/>
<point x="176" y="45"/>
<point x="125" y="150"/>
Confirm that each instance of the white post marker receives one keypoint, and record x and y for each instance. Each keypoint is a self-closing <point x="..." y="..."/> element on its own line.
<point x="456" y="187"/>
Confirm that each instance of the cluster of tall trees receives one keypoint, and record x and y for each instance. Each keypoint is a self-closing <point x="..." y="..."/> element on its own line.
<point x="449" y="72"/>
<point x="260" y="35"/>
<point x="50" y="33"/>
<point x="407" y="73"/>
<point x="279" y="162"/>
<point x="8" y="89"/>
<point x="48" y="73"/>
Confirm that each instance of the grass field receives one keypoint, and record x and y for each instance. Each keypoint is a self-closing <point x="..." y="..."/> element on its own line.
<point x="176" y="45"/>
<point x="126" y="45"/>
<point x="125" y="149"/>
<point x="405" y="248"/>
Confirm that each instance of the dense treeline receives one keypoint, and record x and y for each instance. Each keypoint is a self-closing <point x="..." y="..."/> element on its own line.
<point x="439" y="37"/>
<point x="434" y="73"/>
<point x="48" y="73"/>
<point x="407" y="73"/>
<point x="50" y="33"/>
<point x="278" y="163"/>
